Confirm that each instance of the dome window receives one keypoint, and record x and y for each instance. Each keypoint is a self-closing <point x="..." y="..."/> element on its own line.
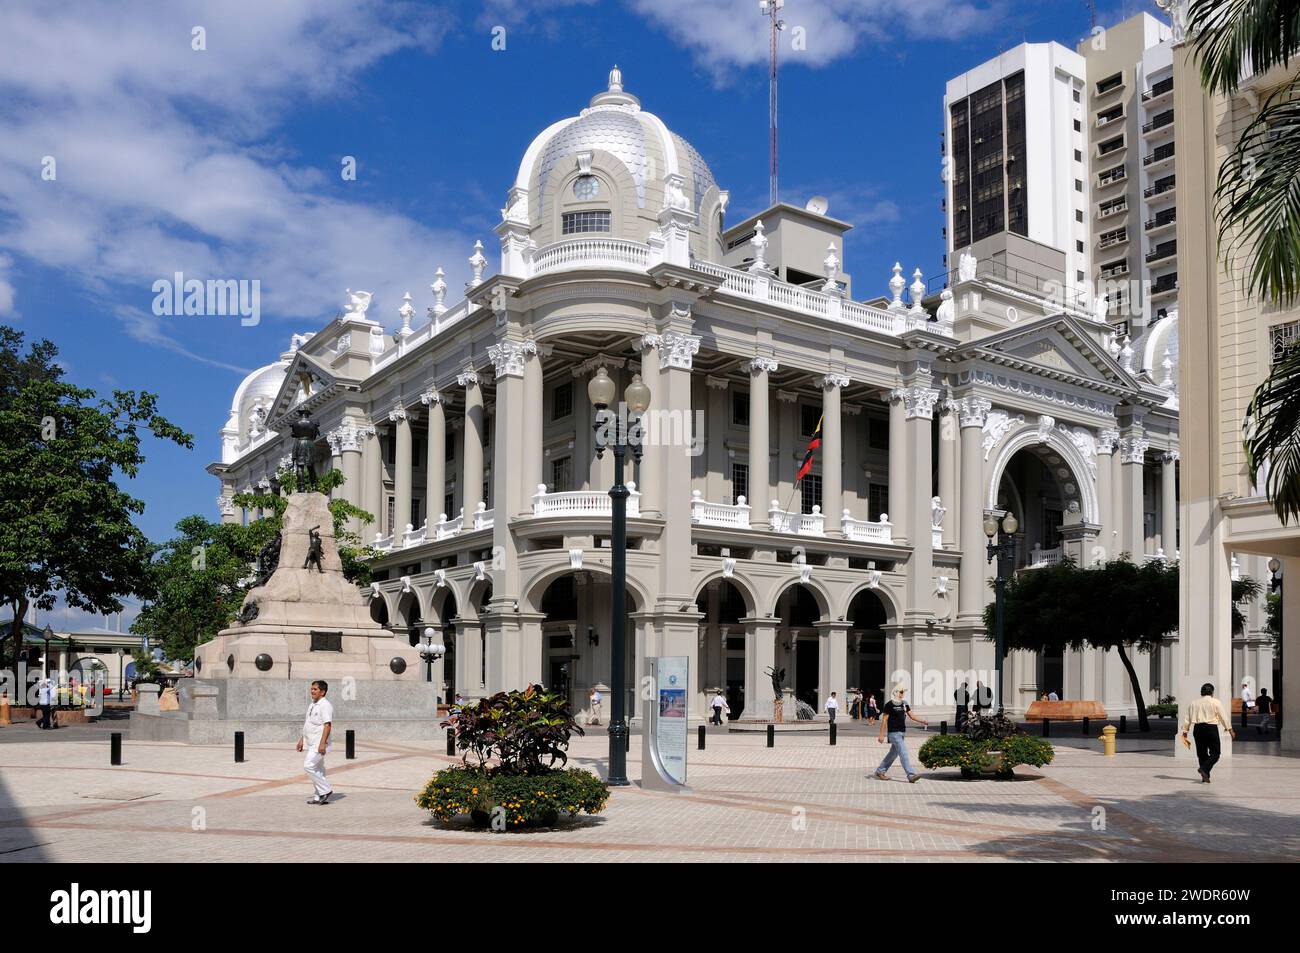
<point x="576" y="223"/>
<point x="586" y="187"/>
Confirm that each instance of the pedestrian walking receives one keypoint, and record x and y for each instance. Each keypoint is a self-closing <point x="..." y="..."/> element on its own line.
<point x="832" y="706"/>
<point x="315" y="740"/>
<point x="873" y="711"/>
<point x="595" y="700"/>
<point x="1265" y="712"/>
<point x="1204" y="716"/>
<point x="962" y="697"/>
<point x="894" y="723"/>
<point x="720" y="707"/>
<point x="1247" y="703"/>
<point x="983" y="698"/>
<point x="45" y="698"/>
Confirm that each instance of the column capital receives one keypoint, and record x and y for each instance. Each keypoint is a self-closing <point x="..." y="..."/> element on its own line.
<point x="226" y="505"/>
<point x="716" y="383"/>
<point x="761" y="365"/>
<point x="648" y="342"/>
<point x="398" y="412"/>
<point x="1133" y="449"/>
<point x="917" y="401"/>
<point x="1170" y="455"/>
<point x="431" y="397"/>
<point x="834" y="380"/>
<point x="680" y="349"/>
<point x="467" y="378"/>
<point x="508" y="357"/>
<point x="972" y="411"/>
<point x="787" y="396"/>
<point x="1107" y="438"/>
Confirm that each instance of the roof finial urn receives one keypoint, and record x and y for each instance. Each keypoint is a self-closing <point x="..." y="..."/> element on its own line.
<point x="616" y="80"/>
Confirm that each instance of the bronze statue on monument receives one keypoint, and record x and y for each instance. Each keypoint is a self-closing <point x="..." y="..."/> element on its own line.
<point x="305" y="432"/>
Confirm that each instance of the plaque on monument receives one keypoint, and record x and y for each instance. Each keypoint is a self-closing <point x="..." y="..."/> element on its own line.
<point x="326" y="641"/>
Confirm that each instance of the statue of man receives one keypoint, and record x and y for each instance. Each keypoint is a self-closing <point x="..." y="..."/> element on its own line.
<point x="778" y="676"/>
<point x="305" y="431"/>
<point x="314" y="550"/>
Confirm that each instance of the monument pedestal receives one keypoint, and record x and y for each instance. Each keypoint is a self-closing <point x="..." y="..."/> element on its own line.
<point x="305" y="622"/>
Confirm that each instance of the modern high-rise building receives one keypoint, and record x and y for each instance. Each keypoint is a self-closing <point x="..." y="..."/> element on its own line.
<point x="1052" y="150"/>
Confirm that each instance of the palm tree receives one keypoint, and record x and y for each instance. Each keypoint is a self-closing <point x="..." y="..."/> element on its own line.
<point x="1245" y="589"/>
<point x="1257" y="201"/>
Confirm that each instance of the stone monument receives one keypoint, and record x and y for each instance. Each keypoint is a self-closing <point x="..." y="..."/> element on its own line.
<point x="303" y="621"/>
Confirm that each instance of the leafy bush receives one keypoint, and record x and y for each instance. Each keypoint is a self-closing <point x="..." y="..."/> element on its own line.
<point x="1163" y="710"/>
<point x="984" y="727"/>
<point x="523" y="800"/>
<point x="526" y="732"/>
<point x="978" y="755"/>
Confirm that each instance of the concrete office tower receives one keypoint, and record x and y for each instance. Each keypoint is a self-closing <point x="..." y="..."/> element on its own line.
<point x="1130" y="155"/>
<point x="1015" y="167"/>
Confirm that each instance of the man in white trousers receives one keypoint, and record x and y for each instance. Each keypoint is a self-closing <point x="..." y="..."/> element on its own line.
<point x="316" y="740"/>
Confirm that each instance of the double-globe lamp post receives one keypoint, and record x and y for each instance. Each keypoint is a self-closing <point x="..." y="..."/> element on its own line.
<point x="618" y="431"/>
<point x="1003" y="548"/>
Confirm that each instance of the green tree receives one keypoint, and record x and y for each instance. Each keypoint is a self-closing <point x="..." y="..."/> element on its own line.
<point x="199" y="578"/>
<point x="66" y="526"/>
<point x="1257" y="203"/>
<point x="1118" y="605"/>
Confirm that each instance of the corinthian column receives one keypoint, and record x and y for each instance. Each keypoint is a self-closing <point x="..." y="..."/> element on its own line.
<point x="655" y="427"/>
<point x="832" y="450"/>
<point x="1169" y="503"/>
<point x="971" y="414"/>
<point x="435" y="466"/>
<point x="472" y="456"/>
<point x="401" y="418"/>
<point x="759" y="436"/>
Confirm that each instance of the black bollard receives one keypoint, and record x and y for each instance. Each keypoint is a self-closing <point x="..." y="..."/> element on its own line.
<point x="943" y="727"/>
<point x="115" y="748"/>
<point x="1085" y="724"/>
<point x="701" y="742"/>
<point x="627" y="740"/>
<point x="1123" y="724"/>
<point x="451" y="742"/>
<point x="350" y="745"/>
<point x="832" y="732"/>
<point x="239" y="747"/>
<point x="771" y="736"/>
<point x="1047" y="727"/>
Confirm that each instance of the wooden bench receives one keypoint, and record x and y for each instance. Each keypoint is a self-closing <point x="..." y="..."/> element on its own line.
<point x="1065" y="711"/>
<point x="1236" y="707"/>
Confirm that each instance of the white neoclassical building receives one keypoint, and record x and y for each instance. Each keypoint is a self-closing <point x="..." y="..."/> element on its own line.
<point x="469" y="435"/>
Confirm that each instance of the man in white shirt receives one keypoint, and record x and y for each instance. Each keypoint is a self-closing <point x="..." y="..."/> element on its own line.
<point x="316" y="740"/>
<point x="1053" y="697"/>
<point x="1247" y="702"/>
<point x="596" y="699"/>
<point x="45" y="698"/>
<point x="832" y="706"/>
<point x="719" y="705"/>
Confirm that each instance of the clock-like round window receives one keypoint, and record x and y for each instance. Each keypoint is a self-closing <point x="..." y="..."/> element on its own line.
<point x="586" y="187"/>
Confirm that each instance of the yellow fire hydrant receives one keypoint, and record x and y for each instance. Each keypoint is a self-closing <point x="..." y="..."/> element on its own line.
<point x="1107" y="739"/>
<point x="4" y="710"/>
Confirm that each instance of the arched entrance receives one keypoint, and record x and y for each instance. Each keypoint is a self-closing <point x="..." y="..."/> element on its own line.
<point x="576" y="641"/>
<point x="1040" y="487"/>
<point x="867" y="670"/>
<point x="798" y="646"/>
<point x="722" y="648"/>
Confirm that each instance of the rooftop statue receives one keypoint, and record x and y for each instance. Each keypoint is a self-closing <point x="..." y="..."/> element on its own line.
<point x="305" y="432"/>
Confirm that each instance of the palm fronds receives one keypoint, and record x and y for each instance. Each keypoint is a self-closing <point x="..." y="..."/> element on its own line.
<point x="1233" y="36"/>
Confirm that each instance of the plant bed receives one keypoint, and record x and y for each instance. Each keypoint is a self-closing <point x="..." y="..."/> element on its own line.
<point x="987" y="747"/>
<point x="517" y="740"/>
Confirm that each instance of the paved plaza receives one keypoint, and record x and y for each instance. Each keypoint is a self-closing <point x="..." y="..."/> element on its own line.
<point x="802" y="800"/>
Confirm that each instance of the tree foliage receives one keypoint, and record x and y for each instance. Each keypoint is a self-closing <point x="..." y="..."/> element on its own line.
<point x="66" y="526"/>
<point x="1117" y="605"/>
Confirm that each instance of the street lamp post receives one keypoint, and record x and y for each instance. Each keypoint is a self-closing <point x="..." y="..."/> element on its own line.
<point x="1002" y="547"/>
<point x="1275" y="570"/>
<point x="430" y="651"/>
<point x="625" y="425"/>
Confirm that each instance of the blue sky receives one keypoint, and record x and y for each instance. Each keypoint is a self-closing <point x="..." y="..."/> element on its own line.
<point x="225" y="162"/>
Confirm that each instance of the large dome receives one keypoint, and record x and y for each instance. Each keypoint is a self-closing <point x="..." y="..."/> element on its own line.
<point x="615" y="124"/>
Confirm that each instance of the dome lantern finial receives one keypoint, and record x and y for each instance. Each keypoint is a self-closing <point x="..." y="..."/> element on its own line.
<point x="616" y="80"/>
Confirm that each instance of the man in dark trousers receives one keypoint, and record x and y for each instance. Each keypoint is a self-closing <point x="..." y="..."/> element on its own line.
<point x="962" y="697"/>
<point x="1204" y="716"/>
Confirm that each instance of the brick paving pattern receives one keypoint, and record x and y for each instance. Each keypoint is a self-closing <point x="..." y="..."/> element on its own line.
<point x="801" y="801"/>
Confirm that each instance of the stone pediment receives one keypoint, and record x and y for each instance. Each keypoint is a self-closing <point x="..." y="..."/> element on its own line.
<point x="307" y="384"/>
<point x="1057" y="346"/>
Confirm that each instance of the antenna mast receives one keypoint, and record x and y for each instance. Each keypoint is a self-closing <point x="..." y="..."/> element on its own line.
<point x="771" y="9"/>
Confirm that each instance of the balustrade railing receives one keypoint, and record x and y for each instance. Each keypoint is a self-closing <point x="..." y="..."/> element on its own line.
<point x="799" y="524"/>
<point x="865" y="531"/>
<point x="582" y="502"/>
<point x="706" y="513"/>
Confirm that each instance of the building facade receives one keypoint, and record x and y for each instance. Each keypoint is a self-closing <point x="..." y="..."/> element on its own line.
<point x="1231" y="342"/>
<point x="469" y="435"/>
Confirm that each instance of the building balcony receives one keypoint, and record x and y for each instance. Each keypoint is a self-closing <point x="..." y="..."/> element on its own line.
<point x="1160" y="556"/>
<point x="1165" y="285"/>
<point x="1163" y="187"/>
<point x="442" y="528"/>
<point x="1106" y="211"/>
<point x="1160" y="222"/>
<point x="865" y="531"/>
<point x="1110" y="241"/>
<point x="797" y="524"/>
<point x="1040" y="558"/>
<point x="1159" y="91"/>
<point x="582" y="503"/>
<point x="1160" y="125"/>
<point x="591" y="253"/>
<point x="704" y="513"/>
<point x="1160" y="252"/>
<point x="1112" y="176"/>
<point x="1104" y="121"/>
<point x="1159" y="157"/>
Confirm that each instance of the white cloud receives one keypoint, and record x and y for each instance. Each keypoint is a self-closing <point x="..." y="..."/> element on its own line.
<point x="731" y="33"/>
<point x="166" y="157"/>
<point x="7" y="293"/>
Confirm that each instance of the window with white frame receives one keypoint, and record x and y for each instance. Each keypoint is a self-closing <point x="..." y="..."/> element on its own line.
<point x="739" y="482"/>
